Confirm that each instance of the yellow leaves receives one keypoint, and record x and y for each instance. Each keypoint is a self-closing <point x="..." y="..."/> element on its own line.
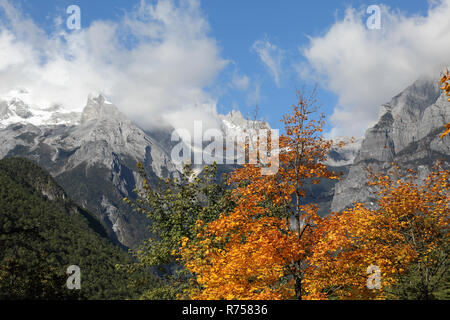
<point x="445" y="77"/>
<point x="184" y="241"/>
<point x="447" y="129"/>
<point x="445" y="80"/>
<point x="359" y="237"/>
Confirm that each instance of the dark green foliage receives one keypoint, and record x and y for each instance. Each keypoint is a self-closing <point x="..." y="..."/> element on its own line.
<point x="42" y="232"/>
<point x="425" y="282"/>
<point x="174" y="207"/>
<point x="28" y="276"/>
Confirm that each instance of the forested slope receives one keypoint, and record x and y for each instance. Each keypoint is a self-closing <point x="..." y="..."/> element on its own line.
<point x="42" y="232"/>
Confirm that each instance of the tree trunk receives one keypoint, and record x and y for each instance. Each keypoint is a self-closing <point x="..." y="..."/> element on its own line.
<point x="298" y="288"/>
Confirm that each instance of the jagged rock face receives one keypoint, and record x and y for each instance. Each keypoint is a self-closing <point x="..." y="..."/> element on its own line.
<point x="407" y="134"/>
<point x="339" y="160"/>
<point x="93" y="155"/>
<point x="345" y="154"/>
<point x="94" y="160"/>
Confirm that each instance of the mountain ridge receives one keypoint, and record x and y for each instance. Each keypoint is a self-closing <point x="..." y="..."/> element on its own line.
<point x="407" y="133"/>
<point x="95" y="157"/>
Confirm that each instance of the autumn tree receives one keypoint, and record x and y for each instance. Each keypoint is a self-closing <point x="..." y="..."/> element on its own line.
<point x="261" y="249"/>
<point x="173" y="207"/>
<point x="445" y="81"/>
<point x="405" y="237"/>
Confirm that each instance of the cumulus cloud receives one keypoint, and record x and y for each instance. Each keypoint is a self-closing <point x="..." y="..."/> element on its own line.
<point x="153" y="63"/>
<point x="366" y="68"/>
<point x="241" y="82"/>
<point x="271" y="56"/>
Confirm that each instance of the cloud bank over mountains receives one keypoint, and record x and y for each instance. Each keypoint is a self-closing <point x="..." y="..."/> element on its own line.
<point x="158" y="62"/>
<point x="154" y="63"/>
<point x="366" y="68"/>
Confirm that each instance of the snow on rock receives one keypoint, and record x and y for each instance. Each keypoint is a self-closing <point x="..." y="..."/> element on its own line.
<point x="16" y="107"/>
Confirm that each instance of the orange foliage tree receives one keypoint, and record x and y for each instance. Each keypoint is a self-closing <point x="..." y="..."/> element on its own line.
<point x="407" y="233"/>
<point x="445" y="81"/>
<point x="272" y="246"/>
<point x="261" y="250"/>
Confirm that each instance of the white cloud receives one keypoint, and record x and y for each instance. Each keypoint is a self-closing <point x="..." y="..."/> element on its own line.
<point x="241" y="82"/>
<point x="157" y="75"/>
<point x="366" y="68"/>
<point x="271" y="56"/>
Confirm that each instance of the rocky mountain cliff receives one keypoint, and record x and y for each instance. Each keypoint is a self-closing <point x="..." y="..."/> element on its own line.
<point x="93" y="154"/>
<point x="93" y="158"/>
<point x="406" y="133"/>
<point x="339" y="159"/>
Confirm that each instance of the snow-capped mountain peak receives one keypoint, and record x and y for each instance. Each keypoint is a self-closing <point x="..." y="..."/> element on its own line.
<point x="99" y="108"/>
<point x="234" y="124"/>
<point x="16" y="107"/>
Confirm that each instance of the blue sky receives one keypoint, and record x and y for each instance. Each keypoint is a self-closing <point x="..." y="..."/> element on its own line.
<point x="243" y="31"/>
